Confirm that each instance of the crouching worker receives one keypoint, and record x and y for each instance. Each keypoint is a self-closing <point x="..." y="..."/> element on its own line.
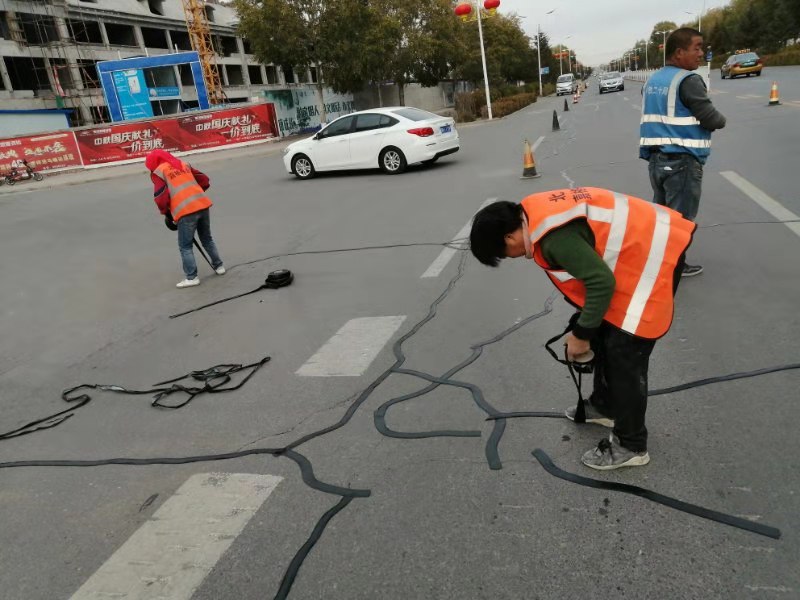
<point x="179" y="193"/>
<point x="618" y="259"/>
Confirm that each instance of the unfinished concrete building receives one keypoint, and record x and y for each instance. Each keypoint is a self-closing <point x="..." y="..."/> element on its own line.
<point x="49" y="49"/>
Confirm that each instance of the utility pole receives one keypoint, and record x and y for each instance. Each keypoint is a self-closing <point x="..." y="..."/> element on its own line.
<point x="539" y="55"/>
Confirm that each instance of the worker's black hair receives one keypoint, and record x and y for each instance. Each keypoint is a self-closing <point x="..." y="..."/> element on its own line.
<point x="489" y="228"/>
<point x="680" y="38"/>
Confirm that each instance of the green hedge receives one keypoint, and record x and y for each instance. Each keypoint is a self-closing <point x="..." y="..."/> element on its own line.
<point x="505" y="100"/>
<point x="506" y="106"/>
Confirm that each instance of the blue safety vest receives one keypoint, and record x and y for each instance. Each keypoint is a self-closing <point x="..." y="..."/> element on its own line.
<point x="667" y="124"/>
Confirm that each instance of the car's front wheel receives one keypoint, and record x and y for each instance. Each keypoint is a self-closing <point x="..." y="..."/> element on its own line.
<point x="721" y="75"/>
<point x="302" y="167"/>
<point x="622" y="88"/>
<point x="392" y="160"/>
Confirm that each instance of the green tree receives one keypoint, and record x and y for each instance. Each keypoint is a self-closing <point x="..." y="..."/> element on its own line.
<point x="509" y="53"/>
<point x="411" y="41"/>
<point x="307" y="33"/>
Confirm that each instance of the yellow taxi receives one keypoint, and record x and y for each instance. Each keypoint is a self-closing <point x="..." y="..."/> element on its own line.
<point x="742" y="62"/>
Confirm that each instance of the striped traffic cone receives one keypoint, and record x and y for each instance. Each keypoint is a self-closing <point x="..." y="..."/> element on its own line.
<point x="556" y="124"/>
<point x="529" y="163"/>
<point x="575" y="98"/>
<point x="774" y="100"/>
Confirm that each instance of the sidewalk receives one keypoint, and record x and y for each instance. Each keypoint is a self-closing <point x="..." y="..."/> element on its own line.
<point x="79" y="176"/>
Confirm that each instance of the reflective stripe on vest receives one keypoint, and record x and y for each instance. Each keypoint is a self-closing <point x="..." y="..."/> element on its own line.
<point x="666" y="122"/>
<point x="640" y="242"/>
<point x="185" y="194"/>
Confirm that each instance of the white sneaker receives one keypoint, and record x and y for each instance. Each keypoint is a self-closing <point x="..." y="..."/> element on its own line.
<point x="189" y="283"/>
<point x="220" y="270"/>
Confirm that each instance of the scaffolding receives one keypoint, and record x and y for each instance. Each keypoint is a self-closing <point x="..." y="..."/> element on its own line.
<point x="200" y="37"/>
<point x="53" y="70"/>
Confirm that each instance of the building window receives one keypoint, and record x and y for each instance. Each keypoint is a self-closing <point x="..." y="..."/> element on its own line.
<point x="120" y="35"/>
<point x="27" y="73"/>
<point x="180" y="39"/>
<point x="255" y="75"/>
<point x="85" y="32"/>
<point x="312" y="73"/>
<point x="272" y="74"/>
<point x="88" y="70"/>
<point x="38" y="29"/>
<point x="156" y="7"/>
<point x="155" y="38"/>
<point x="235" y="76"/>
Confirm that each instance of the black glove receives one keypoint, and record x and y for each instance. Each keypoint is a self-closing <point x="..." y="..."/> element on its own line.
<point x="171" y="225"/>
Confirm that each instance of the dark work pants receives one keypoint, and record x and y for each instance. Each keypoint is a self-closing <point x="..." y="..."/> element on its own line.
<point x="620" y="379"/>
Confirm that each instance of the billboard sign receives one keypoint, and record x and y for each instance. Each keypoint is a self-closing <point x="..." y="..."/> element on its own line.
<point x="131" y="89"/>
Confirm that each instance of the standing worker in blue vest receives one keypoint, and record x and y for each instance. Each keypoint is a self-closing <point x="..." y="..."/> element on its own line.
<point x="676" y="126"/>
<point x="180" y="194"/>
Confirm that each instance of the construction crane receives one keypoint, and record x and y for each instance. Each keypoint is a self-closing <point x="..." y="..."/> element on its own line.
<point x="200" y="38"/>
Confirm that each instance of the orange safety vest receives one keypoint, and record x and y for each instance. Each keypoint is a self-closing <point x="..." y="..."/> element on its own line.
<point x="185" y="194"/>
<point x="641" y="243"/>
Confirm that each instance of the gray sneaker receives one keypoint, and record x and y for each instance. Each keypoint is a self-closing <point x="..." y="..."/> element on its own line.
<point x="609" y="455"/>
<point x="592" y="415"/>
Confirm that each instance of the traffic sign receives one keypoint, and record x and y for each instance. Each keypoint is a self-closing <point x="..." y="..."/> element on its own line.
<point x="545" y="70"/>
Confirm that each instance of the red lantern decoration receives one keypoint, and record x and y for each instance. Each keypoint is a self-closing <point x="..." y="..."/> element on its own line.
<point x="463" y="11"/>
<point x="491" y="5"/>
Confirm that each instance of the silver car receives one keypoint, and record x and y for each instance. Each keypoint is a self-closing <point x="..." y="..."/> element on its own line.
<point x="611" y="81"/>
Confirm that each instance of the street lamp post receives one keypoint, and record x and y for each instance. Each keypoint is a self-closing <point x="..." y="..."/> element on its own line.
<point x="463" y="10"/>
<point x="664" y="44"/>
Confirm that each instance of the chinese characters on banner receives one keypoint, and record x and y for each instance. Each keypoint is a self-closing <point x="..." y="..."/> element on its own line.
<point x="130" y="141"/>
<point x="126" y="141"/>
<point x="43" y="152"/>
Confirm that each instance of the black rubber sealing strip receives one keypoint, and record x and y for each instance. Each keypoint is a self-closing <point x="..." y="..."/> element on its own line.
<point x="516" y="415"/>
<point x="297" y="562"/>
<point x="667" y="501"/>
<point x="307" y="472"/>
<point x="730" y="377"/>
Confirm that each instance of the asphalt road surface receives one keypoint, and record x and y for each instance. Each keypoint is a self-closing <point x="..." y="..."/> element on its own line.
<point x="88" y="284"/>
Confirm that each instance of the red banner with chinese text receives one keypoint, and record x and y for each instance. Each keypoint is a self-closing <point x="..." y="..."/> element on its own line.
<point x="43" y="152"/>
<point x="207" y="129"/>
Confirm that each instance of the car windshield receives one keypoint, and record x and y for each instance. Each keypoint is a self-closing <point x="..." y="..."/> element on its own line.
<point x="746" y="57"/>
<point x="415" y="114"/>
<point x="611" y="75"/>
<point x="564" y="79"/>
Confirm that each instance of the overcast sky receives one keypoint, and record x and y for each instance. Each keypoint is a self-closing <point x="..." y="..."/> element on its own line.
<point x="601" y="29"/>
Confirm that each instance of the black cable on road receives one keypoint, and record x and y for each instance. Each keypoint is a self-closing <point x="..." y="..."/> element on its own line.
<point x="668" y="501"/>
<point x="297" y="561"/>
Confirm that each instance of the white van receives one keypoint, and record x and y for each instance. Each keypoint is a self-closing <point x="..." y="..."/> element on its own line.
<point x="566" y="84"/>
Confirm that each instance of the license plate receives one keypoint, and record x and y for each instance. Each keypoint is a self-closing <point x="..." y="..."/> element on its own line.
<point x="445" y="128"/>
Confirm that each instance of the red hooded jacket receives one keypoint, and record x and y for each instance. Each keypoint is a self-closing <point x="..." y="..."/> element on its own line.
<point x="160" y="191"/>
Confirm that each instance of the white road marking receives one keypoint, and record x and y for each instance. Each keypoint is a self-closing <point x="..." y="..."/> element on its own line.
<point x="353" y="348"/>
<point x="441" y="261"/>
<point x="769" y="204"/>
<point x="171" y="554"/>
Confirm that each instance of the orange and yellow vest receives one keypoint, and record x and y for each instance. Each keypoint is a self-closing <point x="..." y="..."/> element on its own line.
<point x="641" y="243"/>
<point x="185" y="194"/>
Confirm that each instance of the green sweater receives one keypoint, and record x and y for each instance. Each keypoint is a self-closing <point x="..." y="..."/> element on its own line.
<point x="571" y="248"/>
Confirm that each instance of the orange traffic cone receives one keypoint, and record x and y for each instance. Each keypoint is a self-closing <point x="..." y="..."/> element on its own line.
<point x="529" y="163"/>
<point x="774" y="100"/>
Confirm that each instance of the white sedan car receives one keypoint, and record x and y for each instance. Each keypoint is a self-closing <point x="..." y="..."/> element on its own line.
<point x="390" y="138"/>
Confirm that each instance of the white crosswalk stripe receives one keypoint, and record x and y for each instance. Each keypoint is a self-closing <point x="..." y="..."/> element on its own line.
<point x="353" y="348"/>
<point x="171" y="554"/>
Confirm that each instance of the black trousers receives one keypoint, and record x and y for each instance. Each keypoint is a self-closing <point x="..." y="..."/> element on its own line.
<point x="620" y="378"/>
<point x="620" y="383"/>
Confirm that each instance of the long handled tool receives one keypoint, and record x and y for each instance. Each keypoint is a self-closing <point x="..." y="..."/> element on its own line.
<point x="199" y="249"/>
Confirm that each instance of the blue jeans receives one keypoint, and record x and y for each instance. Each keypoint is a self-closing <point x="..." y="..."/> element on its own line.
<point x="676" y="181"/>
<point x="201" y="223"/>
